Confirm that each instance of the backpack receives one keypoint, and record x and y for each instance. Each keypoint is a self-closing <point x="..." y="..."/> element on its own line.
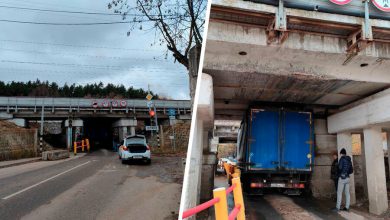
<point x="347" y="168"/>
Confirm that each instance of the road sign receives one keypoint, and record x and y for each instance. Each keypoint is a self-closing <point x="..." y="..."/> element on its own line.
<point x="149" y="96"/>
<point x="151" y="128"/>
<point x="341" y="2"/>
<point x="171" y="112"/>
<point x="383" y="5"/>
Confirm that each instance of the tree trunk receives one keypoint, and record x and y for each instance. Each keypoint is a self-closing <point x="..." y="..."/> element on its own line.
<point x="194" y="57"/>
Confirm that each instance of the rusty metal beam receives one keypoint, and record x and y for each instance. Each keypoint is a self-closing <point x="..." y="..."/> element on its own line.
<point x="240" y="12"/>
<point x="296" y="20"/>
<point x="220" y="20"/>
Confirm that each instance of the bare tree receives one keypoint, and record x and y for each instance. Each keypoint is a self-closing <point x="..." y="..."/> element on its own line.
<point x="177" y="23"/>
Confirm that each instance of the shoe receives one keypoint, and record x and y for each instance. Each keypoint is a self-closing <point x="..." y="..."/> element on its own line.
<point x="335" y="209"/>
<point x="345" y="209"/>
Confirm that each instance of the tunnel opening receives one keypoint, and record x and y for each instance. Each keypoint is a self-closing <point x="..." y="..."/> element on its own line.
<point x="100" y="133"/>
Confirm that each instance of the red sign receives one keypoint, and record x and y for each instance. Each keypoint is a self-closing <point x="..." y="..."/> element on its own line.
<point x="109" y="103"/>
<point x="383" y="5"/>
<point x="341" y="2"/>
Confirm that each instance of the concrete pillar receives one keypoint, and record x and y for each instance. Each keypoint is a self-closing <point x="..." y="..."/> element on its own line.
<point x="202" y="123"/>
<point x="132" y="130"/>
<point x="208" y="174"/>
<point x="364" y="170"/>
<point x="208" y="169"/>
<point x="192" y="176"/>
<point x="214" y="144"/>
<point x="122" y="132"/>
<point x="344" y="140"/>
<point x="322" y="186"/>
<point x="123" y="124"/>
<point x="18" y="121"/>
<point x="70" y="134"/>
<point x="388" y="148"/>
<point x="375" y="170"/>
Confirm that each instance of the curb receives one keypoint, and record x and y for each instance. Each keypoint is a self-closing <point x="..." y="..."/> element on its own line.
<point x="20" y="163"/>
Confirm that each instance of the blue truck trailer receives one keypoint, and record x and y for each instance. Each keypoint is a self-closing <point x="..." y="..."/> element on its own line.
<point x="275" y="150"/>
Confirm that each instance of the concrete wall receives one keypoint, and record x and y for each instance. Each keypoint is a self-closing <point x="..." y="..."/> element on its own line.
<point x="182" y="133"/>
<point x="358" y="171"/>
<point x="226" y="150"/>
<point x="18" y="143"/>
<point x="325" y="144"/>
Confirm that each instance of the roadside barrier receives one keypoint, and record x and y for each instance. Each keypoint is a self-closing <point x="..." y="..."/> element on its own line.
<point x="220" y="203"/>
<point x="231" y="171"/>
<point x="81" y="144"/>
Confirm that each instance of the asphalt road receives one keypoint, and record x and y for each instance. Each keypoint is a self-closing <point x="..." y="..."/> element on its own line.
<point x="96" y="186"/>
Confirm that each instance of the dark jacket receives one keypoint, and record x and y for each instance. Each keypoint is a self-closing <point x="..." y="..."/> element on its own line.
<point x="345" y="167"/>
<point x="334" y="169"/>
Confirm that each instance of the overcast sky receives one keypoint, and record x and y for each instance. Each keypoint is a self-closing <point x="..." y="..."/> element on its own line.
<point x="93" y="53"/>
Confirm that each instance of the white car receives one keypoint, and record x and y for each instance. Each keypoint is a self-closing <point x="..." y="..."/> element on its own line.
<point x="134" y="148"/>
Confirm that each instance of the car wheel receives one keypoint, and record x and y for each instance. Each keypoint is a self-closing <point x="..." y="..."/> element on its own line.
<point x="124" y="161"/>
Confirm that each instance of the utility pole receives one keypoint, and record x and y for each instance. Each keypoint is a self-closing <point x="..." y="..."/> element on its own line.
<point x="41" y="130"/>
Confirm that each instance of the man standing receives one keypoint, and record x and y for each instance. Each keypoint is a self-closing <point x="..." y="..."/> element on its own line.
<point x="344" y="170"/>
<point x="334" y="170"/>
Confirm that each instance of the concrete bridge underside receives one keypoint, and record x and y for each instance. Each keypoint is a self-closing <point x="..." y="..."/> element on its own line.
<point x="311" y="65"/>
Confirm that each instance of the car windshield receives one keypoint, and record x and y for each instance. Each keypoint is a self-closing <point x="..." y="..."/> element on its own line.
<point x="135" y="140"/>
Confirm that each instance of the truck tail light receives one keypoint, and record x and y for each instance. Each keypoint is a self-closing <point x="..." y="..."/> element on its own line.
<point x="257" y="185"/>
<point x="299" y="185"/>
<point x="124" y="148"/>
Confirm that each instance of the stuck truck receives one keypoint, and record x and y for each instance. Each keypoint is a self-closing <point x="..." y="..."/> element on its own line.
<point x="275" y="150"/>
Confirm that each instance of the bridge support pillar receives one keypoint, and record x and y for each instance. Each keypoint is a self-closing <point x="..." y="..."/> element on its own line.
<point x="125" y="127"/>
<point x="74" y="128"/>
<point x="375" y="170"/>
<point x="199" y="172"/>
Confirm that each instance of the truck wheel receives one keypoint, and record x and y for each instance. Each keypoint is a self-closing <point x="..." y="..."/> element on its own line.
<point x="124" y="161"/>
<point x="148" y="162"/>
<point x="306" y="192"/>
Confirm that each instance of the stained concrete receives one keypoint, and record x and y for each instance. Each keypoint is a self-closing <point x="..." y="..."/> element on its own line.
<point x="375" y="170"/>
<point x="55" y="155"/>
<point x="322" y="186"/>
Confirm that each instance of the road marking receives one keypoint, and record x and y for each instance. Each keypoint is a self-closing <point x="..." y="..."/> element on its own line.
<point x="43" y="181"/>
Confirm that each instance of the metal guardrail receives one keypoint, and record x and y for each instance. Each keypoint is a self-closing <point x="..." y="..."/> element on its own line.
<point x="354" y="8"/>
<point x="87" y="103"/>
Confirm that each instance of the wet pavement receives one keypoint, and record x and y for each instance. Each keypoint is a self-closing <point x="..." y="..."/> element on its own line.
<point x="279" y="206"/>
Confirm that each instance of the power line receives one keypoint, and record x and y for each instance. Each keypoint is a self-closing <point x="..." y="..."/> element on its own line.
<point x="86" y="13"/>
<point x="81" y="55"/>
<point x="71" y="45"/>
<point x="31" y="3"/>
<point x="76" y="65"/>
<point x="57" y="11"/>
<point x="68" y="24"/>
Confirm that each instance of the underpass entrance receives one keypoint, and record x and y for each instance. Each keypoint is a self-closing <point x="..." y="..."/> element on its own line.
<point x="100" y="133"/>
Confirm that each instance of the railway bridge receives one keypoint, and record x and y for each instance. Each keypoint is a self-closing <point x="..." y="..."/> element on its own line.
<point x="100" y="119"/>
